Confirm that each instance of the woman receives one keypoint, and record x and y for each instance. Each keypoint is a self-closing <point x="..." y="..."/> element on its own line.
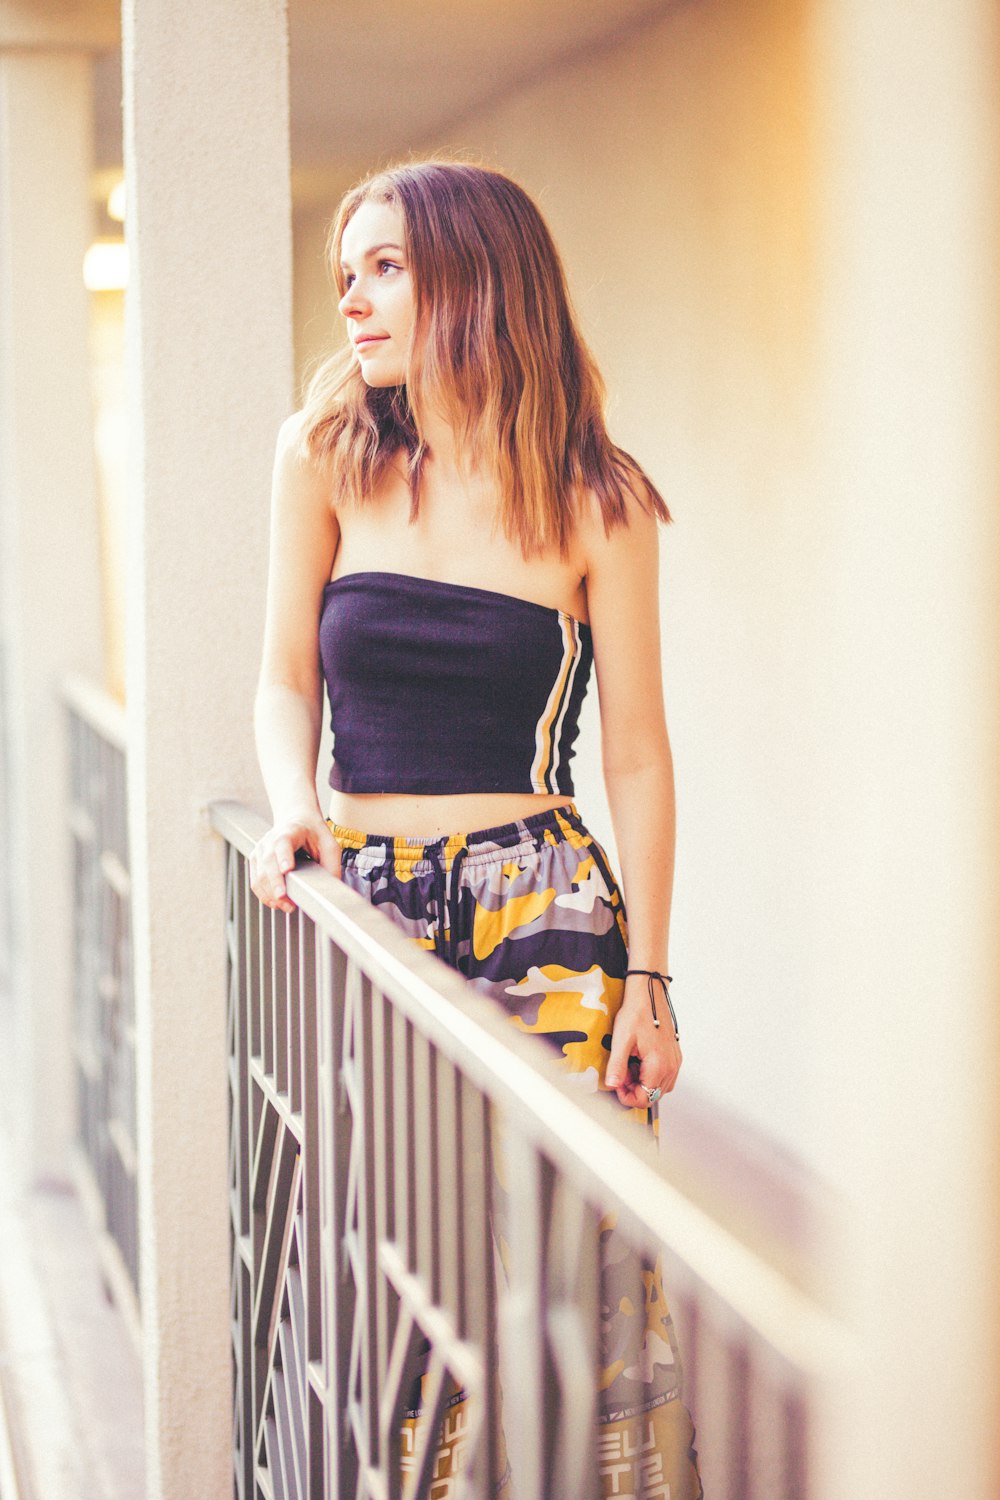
<point x="450" y="510"/>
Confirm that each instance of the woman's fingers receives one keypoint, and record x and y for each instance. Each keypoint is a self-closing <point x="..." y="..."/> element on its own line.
<point x="622" y="1045"/>
<point x="284" y="852"/>
<point x="639" y="1057"/>
<point x="273" y="858"/>
<point x="630" y="1094"/>
<point x="659" y="1069"/>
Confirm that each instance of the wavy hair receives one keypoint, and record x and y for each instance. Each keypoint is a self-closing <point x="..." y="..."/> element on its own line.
<point x="495" y="345"/>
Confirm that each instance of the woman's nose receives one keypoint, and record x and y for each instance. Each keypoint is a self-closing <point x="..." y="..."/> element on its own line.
<point x="350" y="302"/>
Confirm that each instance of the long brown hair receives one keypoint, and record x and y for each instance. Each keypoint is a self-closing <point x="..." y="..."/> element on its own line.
<point x="496" y="342"/>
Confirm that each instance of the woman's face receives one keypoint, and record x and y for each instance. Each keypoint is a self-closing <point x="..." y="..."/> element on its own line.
<point x="379" y="301"/>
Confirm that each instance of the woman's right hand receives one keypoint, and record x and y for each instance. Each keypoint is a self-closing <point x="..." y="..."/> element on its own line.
<point x="274" y="855"/>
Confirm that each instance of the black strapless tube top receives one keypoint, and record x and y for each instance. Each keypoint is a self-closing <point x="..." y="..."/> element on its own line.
<point x="443" y="688"/>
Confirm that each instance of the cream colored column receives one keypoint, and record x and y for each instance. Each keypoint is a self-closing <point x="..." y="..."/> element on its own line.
<point x="50" y="593"/>
<point x="907" y="692"/>
<point x="208" y="327"/>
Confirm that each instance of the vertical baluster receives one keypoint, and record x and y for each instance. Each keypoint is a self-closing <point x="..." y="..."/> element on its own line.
<point x="370" y="1099"/>
<point x="425" y="1166"/>
<point x="716" y="1446"/>
<point x="269" y="920"/>
<point x="684" y="1313"/>
<point x="796" y="1410"/>
<point x="448" y="1196"/>
<point x="349" y="1093"/>
<point x="240" y="880"/>
<point x="738" y="1376"/>
<point x="423" y="1180"/>
<point x="254" y="939"/>
<point x="767" y="1434"/>
<point x="299" y="932"/>
<point x="401" y="1212"/>
<point x="404" y="1138"/>
<point x="244" y="1310"/>
<point x="313" y="1078"/>
<point x="335" y="1165"/>
<point x="322" y="1312"/>
<point x="308" y="1050"/>
<point x="237" y="876"/>
<point x="477" y="1269"/>
<point x="280" y="962"/>
<point x="385" y="1299"/>
<point x="573" y="1323"/>
<point x="529" y="1405"/>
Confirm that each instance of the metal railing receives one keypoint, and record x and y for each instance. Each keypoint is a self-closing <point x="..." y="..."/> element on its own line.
<point x="104" y="1008"/>
<point x="368" y="1085"/>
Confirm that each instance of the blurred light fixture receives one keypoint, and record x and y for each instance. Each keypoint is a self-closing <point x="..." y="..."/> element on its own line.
<point x="105" y="266"/>
<point x="116" y="202"/>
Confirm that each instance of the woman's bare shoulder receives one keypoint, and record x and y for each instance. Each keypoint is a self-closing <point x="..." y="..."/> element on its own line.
<point x="620" y="543"/>
<point x="299" y="464"/>
<point x="293" y="437"/>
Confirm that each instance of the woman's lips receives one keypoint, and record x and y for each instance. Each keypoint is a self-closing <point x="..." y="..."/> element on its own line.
<point x="370" y="338"/>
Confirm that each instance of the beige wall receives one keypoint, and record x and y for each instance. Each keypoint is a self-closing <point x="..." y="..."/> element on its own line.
<point x="675" y="174"/>
<point x="107" y="332"/>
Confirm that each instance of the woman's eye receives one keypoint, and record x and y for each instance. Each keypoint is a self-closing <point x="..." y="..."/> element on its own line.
<point x="387" y="265"/>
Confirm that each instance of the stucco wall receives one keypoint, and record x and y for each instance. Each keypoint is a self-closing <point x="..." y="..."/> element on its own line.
<point x="674" y="171"/>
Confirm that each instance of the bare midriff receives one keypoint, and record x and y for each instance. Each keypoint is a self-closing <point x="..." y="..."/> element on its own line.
<point x="411" y="816"/>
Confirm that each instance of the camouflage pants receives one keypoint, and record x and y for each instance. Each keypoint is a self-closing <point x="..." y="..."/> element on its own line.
<point x="531" y="914"/>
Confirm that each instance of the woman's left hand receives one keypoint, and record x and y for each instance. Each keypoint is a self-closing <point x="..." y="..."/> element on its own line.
<point x="642" y="1053"/>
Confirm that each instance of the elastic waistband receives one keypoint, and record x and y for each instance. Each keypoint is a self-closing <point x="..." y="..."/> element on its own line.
<point x="552" y="825"/>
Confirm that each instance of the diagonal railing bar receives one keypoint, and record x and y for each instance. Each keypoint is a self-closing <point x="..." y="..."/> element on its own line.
<point x="377" y="1102"/>
<point x="434" y="1398"/>
<point x="429" y="1318"/>
<point x="288" y="1184"/>
<point x="401" y="1371"/>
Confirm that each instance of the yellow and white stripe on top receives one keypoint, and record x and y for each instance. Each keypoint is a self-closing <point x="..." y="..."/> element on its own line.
<point x="549" y="727"/>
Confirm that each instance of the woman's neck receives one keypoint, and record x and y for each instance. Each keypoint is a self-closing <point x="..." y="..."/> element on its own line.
<point x="443" y="448"/>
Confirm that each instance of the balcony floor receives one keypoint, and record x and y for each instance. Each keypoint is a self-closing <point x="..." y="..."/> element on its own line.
<point x="70" y="1376"/>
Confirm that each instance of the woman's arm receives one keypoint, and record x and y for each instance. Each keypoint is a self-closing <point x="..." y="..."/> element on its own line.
<point x="623" y="601"/>
<point x="289" y="697"/>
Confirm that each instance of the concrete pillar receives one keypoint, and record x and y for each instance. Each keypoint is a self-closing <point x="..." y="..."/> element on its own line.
<point x="50" y="613"/>
<point x="906" y="701"/>
<point x="209" y="354"/>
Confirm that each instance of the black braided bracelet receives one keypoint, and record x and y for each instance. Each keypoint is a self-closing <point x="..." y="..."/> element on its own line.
<point x="664" y="979"/>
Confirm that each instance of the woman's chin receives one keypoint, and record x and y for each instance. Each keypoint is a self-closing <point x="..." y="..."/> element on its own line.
<point x="381" y="379"/>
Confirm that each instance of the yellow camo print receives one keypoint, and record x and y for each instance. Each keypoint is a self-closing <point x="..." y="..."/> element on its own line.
<point x="492" y="927"/>
<point x="578" y="1002"/>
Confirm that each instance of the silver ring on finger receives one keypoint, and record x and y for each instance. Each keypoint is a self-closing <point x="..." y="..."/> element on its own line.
<point x="654" y="1094"/>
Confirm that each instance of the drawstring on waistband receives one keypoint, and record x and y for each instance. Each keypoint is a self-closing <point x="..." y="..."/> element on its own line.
<point x="448" y="896"/>
<point x="455" y="909"/>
